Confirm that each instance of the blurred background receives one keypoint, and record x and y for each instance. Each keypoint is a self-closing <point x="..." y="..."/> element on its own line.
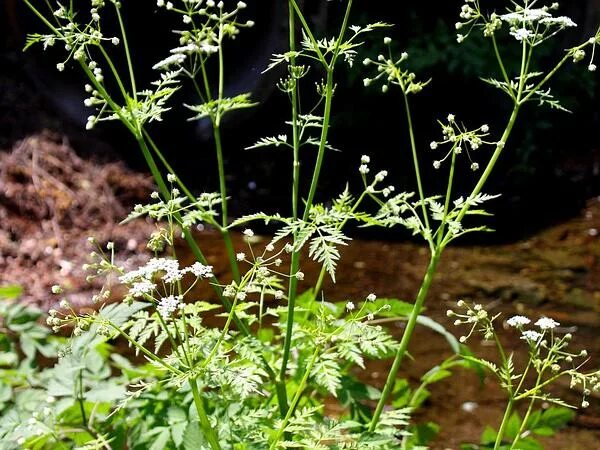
<point x="550" y="168"/>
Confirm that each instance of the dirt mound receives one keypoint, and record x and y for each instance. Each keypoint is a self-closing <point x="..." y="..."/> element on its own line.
<point x="51" y="201"/>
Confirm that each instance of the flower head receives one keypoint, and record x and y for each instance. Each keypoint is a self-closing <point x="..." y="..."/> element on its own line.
<point x="545" y="323"/>
<point x="531" y="336"/>
<point x="518" y="321"/>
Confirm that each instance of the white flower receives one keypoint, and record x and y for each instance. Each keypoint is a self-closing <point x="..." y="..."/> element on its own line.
<point x="365" y="159"/>
<point x="387" y="40"/>
<point x="248" y="232"/>
<point x="56" y="289"/>
<point x="433" y="145"/>
<point x="460" y="38"/>
<point x="451" y="118"/>
<point x="300" y="275"/>
<point x="240" y="256"/>
<point x="381" y="176"/>
<point x="115" y="41"/>
<point x="371" y="297"/>
<point x="366" y="81"/>
<point x="278" y="295"/>
<point x="485" y="128"/>
<point x="518" y="321"/>
<point x="546" y="323"/>
<point x="474" y="166"/>
<point x="171" y="178"/>
<point x="141" y="287"/>
<point x="521" y="34"/>
<point x="270" y="247"/>
<point x="531" y="336"/>
<point x="436" y="164"/>
<point x="350" y="306"/>
<point x="592" y="67"/>
<point x="167" y="305"/>
<point x="200" y="270"/>
<point x="364" y="169"/>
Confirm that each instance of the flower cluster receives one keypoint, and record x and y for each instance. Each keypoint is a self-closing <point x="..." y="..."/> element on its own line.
<point x="526" y="23"/>
<point x="549" y="355"/>
<point x="459" y="139"/>
<point x="391" y="72"/>
<point x="210" y="23"/>
<point x="476" y="317"/>
<point x="379" y="177"/>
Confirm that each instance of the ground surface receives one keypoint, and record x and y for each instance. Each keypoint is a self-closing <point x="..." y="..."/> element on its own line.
<point x="51" y="200"/>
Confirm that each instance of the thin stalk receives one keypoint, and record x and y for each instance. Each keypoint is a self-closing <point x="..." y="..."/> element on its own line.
<point x="294" y="101"/>
<point x="501" y="64"/>
<point x="127" y="53"/>
<point x="447" y="200"/>
<point x="413" y="147"/>
<point x="115" y="73"/>
<point x="490" y="166"/>
<point x="402" y="349"/>
<point x="224" y="212"/>
<point x="296" y="398"/>
<point x="309" y="33"/>
<point x="505" y="419"/>
<point x="295" y="260"/>
<point x="207" y="429"/>
<point x="145" y="351"/>
<point x="523" y="423"/>
<point x="80" y="399"/>
<point x="322" y="144"/>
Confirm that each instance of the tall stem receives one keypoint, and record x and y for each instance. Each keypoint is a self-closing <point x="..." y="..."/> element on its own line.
<point x="295" y="260"/>
<point x="413" y="147"/>
<point x="505" y="419"/>
<point x="402" y="349"/>
<point x="296" y="398"/>
<point x="224" y="211"/>
<point x="209" y="432"/>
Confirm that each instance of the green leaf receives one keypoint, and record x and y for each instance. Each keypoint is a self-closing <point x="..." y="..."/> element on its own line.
<point x="557" y="417"/>
<point x="161" y="440"/>
<point x="513" y="425"/>
<point x="438" y="328"/>
<point x="488" y="436"/>
<point x="401" y="393"/>
<point x="193" y="438"/>
<point x="10" y="292"/>
<point x="435" y="374"/>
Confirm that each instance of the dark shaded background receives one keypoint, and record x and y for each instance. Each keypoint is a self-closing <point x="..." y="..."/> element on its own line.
<point x="550" y="167"/>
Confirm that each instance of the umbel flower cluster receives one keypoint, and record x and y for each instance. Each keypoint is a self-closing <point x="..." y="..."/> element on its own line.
<point x="549" y="355"/>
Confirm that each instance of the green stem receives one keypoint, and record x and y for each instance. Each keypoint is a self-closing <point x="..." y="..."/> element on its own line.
<point x="501" y="64"/>
<point x="127" y="53"/>
<point x="295" y="260"/>
<point x="207" y="428"/>
<point x="224" y="210"/>
<point x="505" y="419"/>
<point x="440" y="233"/>
<point x="488" y="170"/>
<point x="145" y="351"/>
<point x="296" y="398"/>
<point x="402" y="349"/>
<point x="413" y="147"/>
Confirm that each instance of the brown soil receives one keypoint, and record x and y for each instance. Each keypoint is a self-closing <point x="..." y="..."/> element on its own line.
<point x="51" y="201"/>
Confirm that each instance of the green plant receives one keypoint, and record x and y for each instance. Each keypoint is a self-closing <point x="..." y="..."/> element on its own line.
<point x="264" y="377"/>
